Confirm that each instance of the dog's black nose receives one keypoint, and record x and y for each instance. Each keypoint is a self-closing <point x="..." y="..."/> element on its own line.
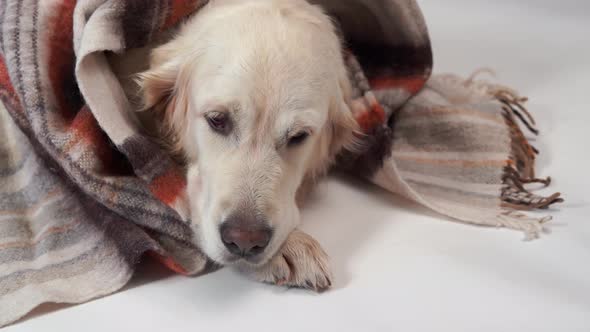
<point x="245" y="239"/>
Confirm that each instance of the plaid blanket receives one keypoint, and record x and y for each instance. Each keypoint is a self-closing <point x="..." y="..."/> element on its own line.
<point x="83" y="195"/>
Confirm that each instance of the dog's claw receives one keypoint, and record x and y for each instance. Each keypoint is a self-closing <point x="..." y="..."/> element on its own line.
<point x="300" y="263"/>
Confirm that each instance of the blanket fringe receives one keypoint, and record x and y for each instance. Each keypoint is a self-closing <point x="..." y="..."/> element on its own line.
<point x="531" y="226"/>
<point x="520" y="169"/>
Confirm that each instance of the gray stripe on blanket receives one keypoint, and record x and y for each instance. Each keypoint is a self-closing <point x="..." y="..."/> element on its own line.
<point x="27" y="58"/>
<point x="446" y="137"/>
<point x="10" y="37"/>
<point x="34" y="192"/>
<point x="27" y="251"/>
<point x="2" y="18"/>
<point x="83" y="263"/>
<point x="13" y="166"/>
<point x="454" y="195"/>
<point x="23" y="228"/>
<point x="34" y="220"/>
<point x="148" y="159"/>
<point x="138" y="29"/>
<point x="460" y="174"/>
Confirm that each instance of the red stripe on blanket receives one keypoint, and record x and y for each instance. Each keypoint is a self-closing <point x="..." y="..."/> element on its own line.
<point x="410" y="84"/>
<point x="372" y="118"/>
<point x="61" y="60"/>
<point x="85" y="127"/>
<point x="181" y="9"/>
<point x="5" y="82"/>
<point x="168" y="186"/>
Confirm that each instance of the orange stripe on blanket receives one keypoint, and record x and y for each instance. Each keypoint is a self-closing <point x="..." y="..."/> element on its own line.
<point x="412" y="84"/>
<point x="372" y="118"/>
<point x="168" y="262"/>
<point x="181" y="9"/>
<point x="169" y="186"/>
<point x="459" y="163"/>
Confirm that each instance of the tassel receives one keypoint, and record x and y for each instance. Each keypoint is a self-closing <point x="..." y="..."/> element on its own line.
<point x="532" y="227"/>
<point x="520" y="169"/>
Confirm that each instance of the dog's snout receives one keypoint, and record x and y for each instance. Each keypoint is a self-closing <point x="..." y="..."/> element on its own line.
<point x="245" y="238"/>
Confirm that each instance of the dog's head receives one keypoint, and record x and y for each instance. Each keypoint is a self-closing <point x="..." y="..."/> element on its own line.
<point x="254" y="94"/>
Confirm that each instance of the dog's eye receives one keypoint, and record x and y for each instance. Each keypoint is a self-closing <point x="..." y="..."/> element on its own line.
<point x="219" y="122"/>
<point x="298" y="139"/>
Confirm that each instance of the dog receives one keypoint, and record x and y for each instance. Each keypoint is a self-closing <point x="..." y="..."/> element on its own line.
<point x="253" y="95"/>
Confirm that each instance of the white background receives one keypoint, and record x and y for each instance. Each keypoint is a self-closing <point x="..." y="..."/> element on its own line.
<point x="397" y="266"/>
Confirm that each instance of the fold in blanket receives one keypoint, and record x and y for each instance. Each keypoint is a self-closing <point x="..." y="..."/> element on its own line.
<point x="83" y="195"/>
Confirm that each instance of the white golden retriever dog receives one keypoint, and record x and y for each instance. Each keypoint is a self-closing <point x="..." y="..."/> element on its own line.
<point x="254" y="95"/>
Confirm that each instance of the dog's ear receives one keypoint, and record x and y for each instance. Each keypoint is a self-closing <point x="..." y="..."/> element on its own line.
<point x="345" y="128"/>
<point x="163" y="91"/>
<point x="156" y="86"/>
<point x="342" y="132"/>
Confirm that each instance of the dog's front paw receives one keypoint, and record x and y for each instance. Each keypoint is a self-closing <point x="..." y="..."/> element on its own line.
<point x="301" y="262"/>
